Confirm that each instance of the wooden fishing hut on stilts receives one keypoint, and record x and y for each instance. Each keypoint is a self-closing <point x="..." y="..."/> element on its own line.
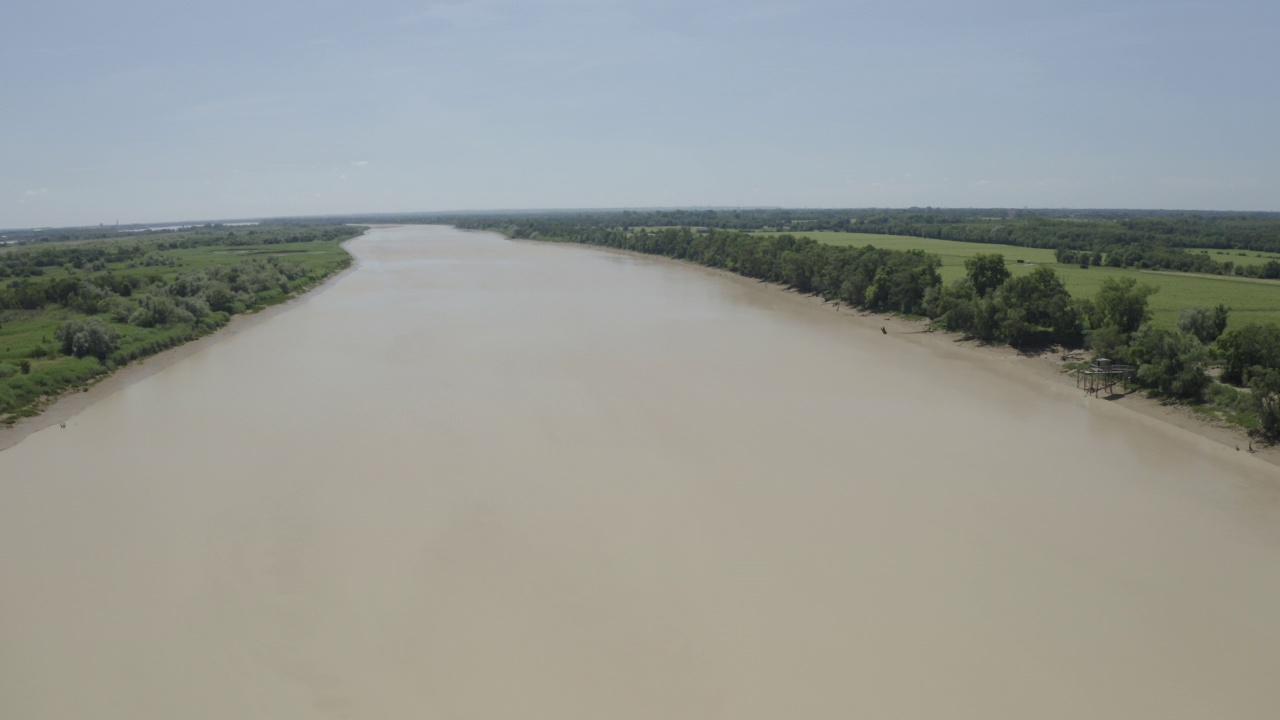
<point x="1105" y="376"/>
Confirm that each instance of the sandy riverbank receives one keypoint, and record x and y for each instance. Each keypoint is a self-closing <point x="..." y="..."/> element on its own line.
<point x="1045" y="366"/>
<point x="611" y="486"/>
<point x="73" y="402"/>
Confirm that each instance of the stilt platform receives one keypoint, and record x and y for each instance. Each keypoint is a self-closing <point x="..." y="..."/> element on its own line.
<point x="1105" y="376"/>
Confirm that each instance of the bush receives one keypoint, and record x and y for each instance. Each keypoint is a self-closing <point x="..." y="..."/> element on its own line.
<point x="219" y="297"/>
<point x="118" y="308"/>
<point x="155" y="310"/>
<point x="194" y="306"/>
<point x="90" y="336"/>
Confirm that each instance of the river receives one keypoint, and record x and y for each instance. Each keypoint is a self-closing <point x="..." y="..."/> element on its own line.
<point x="481" y="478"/>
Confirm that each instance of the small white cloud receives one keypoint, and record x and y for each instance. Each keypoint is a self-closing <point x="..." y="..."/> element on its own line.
<point x="33" y="193"/>
<point x="360" y="163"/>
<point x="344" y="176"/>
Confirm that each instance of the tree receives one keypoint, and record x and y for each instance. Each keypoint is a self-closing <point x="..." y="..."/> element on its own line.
<point x="1265" y="386"/>
<point x="1122" y="303"/>
<point x="1249" y="346"/>
<point x="1036" y="308"/>
<point x="986" y="272"/>
<point x="1206" y="324"/>
<point x="901" y="281"/>
<point x="1109" y="342"/>
<point x="958" y="308"/>
<point x="1171" y="360"/>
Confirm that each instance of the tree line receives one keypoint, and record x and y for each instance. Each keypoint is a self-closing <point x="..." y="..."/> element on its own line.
<point x="989" y="304"/>
<point x="1155" y="239"/>
<point x="866" y="277"/>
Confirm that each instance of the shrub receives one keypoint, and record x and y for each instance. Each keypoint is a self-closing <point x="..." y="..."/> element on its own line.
<point x="90" y="336"/>
<point x="154" y="310"/>
<point x="118" y="308"/>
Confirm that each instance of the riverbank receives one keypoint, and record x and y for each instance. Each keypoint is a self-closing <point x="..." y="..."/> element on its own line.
<point x="66" y="406"/>
<point x="1046" y="367"/>
<point x="72" y="313"/>
<point x="620" y="488"/>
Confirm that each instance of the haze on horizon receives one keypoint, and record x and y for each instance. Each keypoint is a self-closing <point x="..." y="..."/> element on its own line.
<point x="151" y="111"/>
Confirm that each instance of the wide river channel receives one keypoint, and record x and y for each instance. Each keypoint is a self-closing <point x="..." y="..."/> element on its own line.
<point x="481" y="478"/>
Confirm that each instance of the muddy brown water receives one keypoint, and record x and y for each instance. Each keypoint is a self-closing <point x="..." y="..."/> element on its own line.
<point x="479" y="478"/>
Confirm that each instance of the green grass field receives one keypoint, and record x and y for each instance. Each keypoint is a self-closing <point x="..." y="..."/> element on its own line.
<point x="1250" y="300"/>
<point x="1239" y="257"/>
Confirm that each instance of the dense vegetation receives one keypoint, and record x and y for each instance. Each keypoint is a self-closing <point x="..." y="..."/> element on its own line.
<point x="1198" y="350"/>
<point x="1251" y="300"/>
<point x="72" y="311"/>
<point x="866" y="277"/>
<point x="1177" y="241"/>
<point x="989" y="303"/>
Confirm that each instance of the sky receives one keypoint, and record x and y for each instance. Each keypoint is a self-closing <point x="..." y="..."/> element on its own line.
<point x="170" y="110"/>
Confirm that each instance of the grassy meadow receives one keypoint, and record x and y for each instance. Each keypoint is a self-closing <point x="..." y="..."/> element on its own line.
<point x="1250" y="300"/>
<point x="1239" y="257"/>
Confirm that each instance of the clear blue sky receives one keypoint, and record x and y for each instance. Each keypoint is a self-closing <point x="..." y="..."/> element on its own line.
<point x="156" y="111"/>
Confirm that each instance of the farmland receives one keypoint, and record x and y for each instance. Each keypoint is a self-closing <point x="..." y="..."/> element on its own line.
<point x="1250" y="300"/>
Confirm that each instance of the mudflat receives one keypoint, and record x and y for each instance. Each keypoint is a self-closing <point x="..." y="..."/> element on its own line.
<point x="480" y="478"/>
